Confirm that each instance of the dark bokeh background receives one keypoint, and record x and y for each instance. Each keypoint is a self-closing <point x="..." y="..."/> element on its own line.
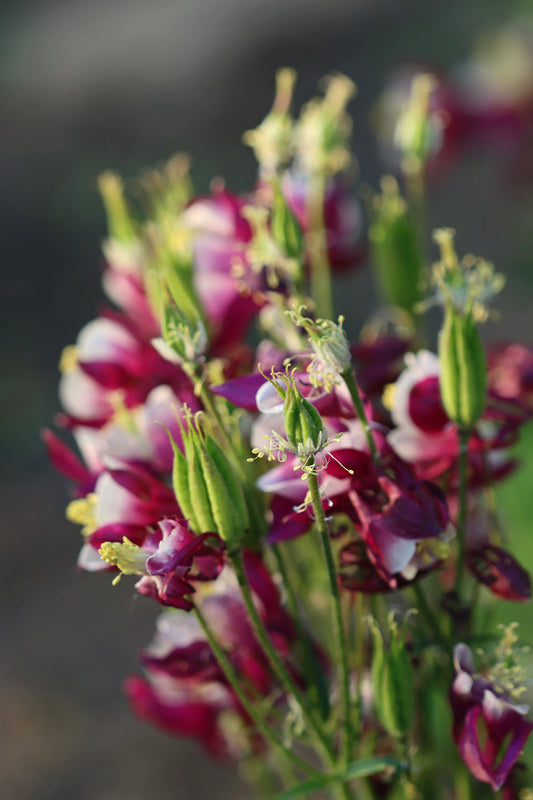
<point x="87" y="86"/>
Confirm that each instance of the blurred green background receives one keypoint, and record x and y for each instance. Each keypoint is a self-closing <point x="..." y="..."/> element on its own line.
<point x="124" y="84"/>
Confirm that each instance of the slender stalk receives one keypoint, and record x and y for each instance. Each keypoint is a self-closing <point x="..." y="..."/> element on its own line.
<point x="308" y="657"/>
<point x="250" y="709"/>
<point x="275" y="660"/>
<point x="464" y="436"/>
<point x="321" y="290"/>
<point x="431" y="620"/>
<point x="349" y="380"/>
<point x="359" y="654"/>
<point x="322" y="527"/>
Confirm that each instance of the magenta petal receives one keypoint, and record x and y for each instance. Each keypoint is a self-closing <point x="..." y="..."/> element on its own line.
<point x="63" y="459"/>
<point x="498" y="570"/>
<point x="241" y="391"/>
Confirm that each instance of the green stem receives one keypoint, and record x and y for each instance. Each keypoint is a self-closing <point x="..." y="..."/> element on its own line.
<point x="431" y="620"/>
<point x="250" y="709"/>
<point x="310" y="665"/>
<point x="321" y="290"/>
<point x="349" y="380"/>
<point x="322" y="527"/>
<point x="274" y="658"/>
<point x="464" y="436"/>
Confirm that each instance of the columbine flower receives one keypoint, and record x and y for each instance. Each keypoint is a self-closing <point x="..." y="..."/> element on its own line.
<point x="165" y="568"/>
<point x="489" y="726"/>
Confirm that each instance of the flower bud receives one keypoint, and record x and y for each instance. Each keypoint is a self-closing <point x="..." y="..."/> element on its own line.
<point x="392" y="678"/>
<point x="396" y="253"/>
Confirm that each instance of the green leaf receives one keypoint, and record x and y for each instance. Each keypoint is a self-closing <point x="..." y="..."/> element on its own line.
<point x="359" y="769"/>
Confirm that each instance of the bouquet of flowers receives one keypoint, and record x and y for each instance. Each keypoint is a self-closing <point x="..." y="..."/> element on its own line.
<point x="315" y="516"/>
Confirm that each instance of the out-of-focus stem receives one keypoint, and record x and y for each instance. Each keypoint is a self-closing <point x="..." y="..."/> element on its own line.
<point x="321" y="290"/>
<point x="464" y="436"/>
<point x="349" y="380"/>
<point x="233" y="680"/>
<point x="274" y="658"/>
<point x="344" y="670"/>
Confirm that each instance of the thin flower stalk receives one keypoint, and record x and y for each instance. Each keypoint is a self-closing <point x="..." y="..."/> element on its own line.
<point x="344" y="669"/>
<point x="275" y="661"/>
<point x="235" y="684"/>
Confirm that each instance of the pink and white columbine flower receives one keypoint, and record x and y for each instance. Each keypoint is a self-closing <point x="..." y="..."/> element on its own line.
<point x="423" y="435"/>
<point x="186" y="691"/>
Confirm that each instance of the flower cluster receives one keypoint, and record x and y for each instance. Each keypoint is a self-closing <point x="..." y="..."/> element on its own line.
<point x="380" y="495"/>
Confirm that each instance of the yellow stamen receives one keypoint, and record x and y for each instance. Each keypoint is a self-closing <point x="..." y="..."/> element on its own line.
<point x="83" y="512"/>
<point x="68" y="360"/>
<point x="128" y="557"/>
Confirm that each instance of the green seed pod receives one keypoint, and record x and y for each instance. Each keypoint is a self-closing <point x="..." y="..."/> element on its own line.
<point x="180" y="484"/>
<point x="225" y="493"/>
<point x="396" y="254"/>
<point x="303" y="423"/>
<point x="463" y="379"/>
<point x="392" y="678"/>
<point x="199" y="493"/>
<point x="286" y="230"/>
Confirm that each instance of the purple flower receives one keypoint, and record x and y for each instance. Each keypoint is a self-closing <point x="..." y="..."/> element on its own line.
<point x="489" y="730"/>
